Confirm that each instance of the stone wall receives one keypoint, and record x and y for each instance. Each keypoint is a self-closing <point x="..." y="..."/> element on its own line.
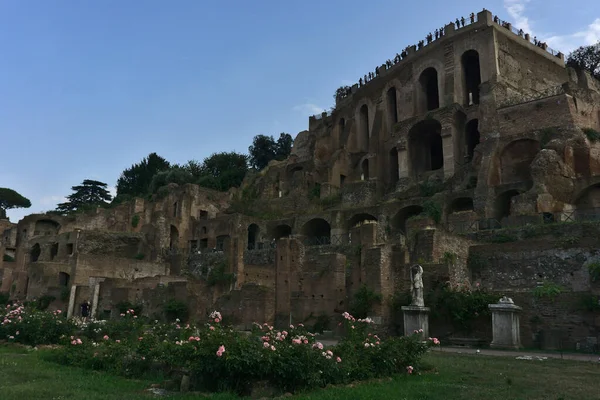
<point x="516" y="271"/>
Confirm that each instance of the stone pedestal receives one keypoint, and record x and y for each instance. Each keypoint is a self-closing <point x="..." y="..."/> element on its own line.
<point x="505" y="324"/>
<point x="415" y="318"/>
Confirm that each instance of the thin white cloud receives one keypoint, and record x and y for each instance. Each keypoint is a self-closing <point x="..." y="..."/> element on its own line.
<point x="51" y="200"/>
<point x="308" y="109"/>
<point x="568" y="43"/>
<point x="516" y="9"/>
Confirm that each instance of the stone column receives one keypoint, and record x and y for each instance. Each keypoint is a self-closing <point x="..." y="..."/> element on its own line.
<point x="448" y="149"/>
<point x="403" y="171"/>
<point x="505" y="324"/>
<point x="416" y="318"/>
<point x="71" y="307"/>
<point x="95" y="295"/>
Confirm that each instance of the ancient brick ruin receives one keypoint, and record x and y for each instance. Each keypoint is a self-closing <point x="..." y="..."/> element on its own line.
<point x="469" y="156"/>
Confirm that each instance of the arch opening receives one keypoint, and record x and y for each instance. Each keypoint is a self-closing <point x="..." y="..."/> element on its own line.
<point x="460" y="205"/>
<point x="471" y="77"/>
<point x="392" y="105"/>
<point x="35" y="252"/>
<point x="53" y="251"/>
<point x="364" y="170"/>
<point x="399" y="220"/>
<point x="361" y="219"/>
<point x="426" y="147"/>
<point x="253" y="232"/>
<point x="281" y="231"/>
<point x="317" y="231"/>
<point x="63" y="279"/>
<point x="472" y="137"/>
<point x="429" y="88"/>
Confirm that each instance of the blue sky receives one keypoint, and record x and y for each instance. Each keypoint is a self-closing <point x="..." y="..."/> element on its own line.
<point x="88" y="88"/>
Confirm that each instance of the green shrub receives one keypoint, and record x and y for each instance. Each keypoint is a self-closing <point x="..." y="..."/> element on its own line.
<point x="65" y="294"/>
<point x="124" y="306"/>
<point x="176" y="310"/>
<point x="461" y="306"/>
<point x="139" y="256"/>
<point x="218" y="275"/>
<point x="548" y="289"/>
<point x="135" y="220"/>
<point x="35" y="327"/>
<point x="428" y="189"/>
<point x="323" y="323"/>
<point x="4" y="298"/>
<point x="592" y="134"/>
<point x="314" y="193"/>
<point x="8" y="258"/>
<point x="594" y="270"/>
<point x="222" y="359"/>
<point x="433" y="210"/>
<point x="363" y="301"/>
<point x="589" y="302"/>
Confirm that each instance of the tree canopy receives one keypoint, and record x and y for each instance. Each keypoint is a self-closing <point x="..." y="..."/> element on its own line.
<point x="9" y="199"/>
<point x="136" y="180"/>
<point x="265" y="149"/>
<point x="586" y="58"/>
<point x="222" y="171"/>
<point x="88" y="195"/>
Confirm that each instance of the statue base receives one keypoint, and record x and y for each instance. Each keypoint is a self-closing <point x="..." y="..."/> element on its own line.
<point x="415" y="319"/>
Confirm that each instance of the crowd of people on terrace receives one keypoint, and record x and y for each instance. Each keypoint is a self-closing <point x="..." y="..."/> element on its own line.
<point x="437" y="34"/>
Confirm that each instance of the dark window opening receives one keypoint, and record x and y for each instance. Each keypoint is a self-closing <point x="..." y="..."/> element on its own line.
<point x="53" y="251"/>
<point x="365" y="170"/>
<point x="69" y="248"/>
<point x="35" y="252"/>
<point x="429" y="87"/>
<point x="392" y="105"/>
<point x="426" y="147"/>
<point x="63" y="279"/>
<point x="472" y="77"/>
<point x="253" y="231"/>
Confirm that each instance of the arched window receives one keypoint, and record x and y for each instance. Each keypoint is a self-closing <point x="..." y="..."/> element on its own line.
<point x="364" y="170"/>
<point x="425" y="147"/>
<point x="472" y="138"/>
<point x="253" y="231"/>
<point x="471" y="77"/>
<point x="392" y="105"/>
<point x="429" y="89"/>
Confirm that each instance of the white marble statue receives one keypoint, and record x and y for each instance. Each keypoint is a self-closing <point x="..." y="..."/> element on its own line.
<point x="416" y="280"/>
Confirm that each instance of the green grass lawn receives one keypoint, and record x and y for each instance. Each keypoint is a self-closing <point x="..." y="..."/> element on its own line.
<point x="25" y="376"/>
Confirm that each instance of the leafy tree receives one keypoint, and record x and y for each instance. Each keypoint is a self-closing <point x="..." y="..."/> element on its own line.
<point x="88" y="195"/>
<point x="222" y="171"/>
<point x="265" y="148"/>
<point x="284" y="146"/>
<point x="586" y="58"/>
<point x="11" y="199"/>
<point x="136" y="180"/>
<point x="342" y="92"/>
<point x="176" y="174"/>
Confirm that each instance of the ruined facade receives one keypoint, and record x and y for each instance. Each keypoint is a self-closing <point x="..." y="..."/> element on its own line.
<point x="478" y="132"/>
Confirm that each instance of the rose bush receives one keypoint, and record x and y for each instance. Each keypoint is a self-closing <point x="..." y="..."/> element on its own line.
<point x="217" y="357"/>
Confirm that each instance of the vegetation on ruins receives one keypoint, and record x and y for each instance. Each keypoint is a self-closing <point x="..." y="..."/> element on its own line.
<point x="135" y="180"/>
<point x="264" y="149"/>
<point x="88" y="195"/>
<point x="10" y="199"/>
<point x="547" y="289"/>
<point x="594" y="270"/>
<point x="586" y="58"/>
<point x="216" y="357"/>
<point x="135" y="220"/>
<point x="462" y="306"/>
<point x="363" y="301"/>
<point x="592" y="134"/>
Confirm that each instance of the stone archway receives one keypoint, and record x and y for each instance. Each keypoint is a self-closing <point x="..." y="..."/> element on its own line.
<point x="428" y="81"/>
<point x="471" y="77"/>
<point x="516" y="159"/>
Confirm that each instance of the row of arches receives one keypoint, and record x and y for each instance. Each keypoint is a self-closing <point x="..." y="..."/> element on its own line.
<point x="428" y="96"/>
